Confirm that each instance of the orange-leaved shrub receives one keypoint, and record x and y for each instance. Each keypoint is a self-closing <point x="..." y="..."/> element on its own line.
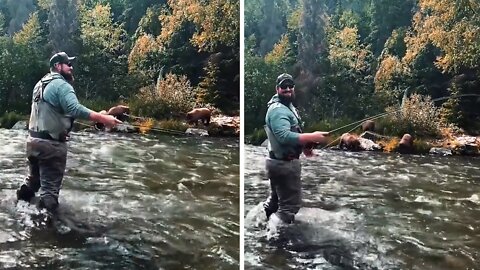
<point x="418" y="117"/>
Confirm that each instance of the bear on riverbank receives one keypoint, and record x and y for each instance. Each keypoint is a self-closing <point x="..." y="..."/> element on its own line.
<point x="202" y="114"/>
<point x="406" y="144"/>
<point x="119" y="112"/>
<point x="368" y="125"/>
<point x="349" y="142"/>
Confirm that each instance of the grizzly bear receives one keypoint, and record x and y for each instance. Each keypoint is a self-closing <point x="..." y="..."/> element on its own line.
<point x="406" y="144"/>
<point x="202" y="114"/>
<point x="368" y="125"/>
<point x="349" y="142"/>
<point x="119" y="112"/>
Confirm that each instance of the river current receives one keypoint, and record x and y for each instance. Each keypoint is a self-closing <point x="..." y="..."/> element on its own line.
<point x="127" y="202"/>
<point x="366" y="210"/>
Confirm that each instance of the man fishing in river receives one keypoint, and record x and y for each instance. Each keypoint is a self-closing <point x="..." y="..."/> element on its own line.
<point x="54" y="108"/>
<point x="285" y="144"/>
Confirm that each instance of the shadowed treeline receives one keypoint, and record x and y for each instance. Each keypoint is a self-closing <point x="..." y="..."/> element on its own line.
<point x="352" y="59"/>
<point x="122" y="47"/>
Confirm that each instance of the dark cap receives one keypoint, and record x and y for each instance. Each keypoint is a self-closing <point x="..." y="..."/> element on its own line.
<point x="60" y="57"/>
<point x="284" y="77"/>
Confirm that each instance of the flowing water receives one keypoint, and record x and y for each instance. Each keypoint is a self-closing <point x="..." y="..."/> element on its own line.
<point x="127" y="202"/>
<point x="368" y="210"/>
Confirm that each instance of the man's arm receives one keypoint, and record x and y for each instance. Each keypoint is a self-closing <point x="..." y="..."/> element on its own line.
<point x="106" y="119"/>
<point x="72" y="106"/>
<point x="280" y="126"/>
<point x="314" y="137"/>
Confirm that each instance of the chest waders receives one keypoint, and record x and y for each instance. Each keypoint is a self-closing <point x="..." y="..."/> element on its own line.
<point x="275" y="148"/>
<point x="284" y="174"/>
<point x="47" y="121"/>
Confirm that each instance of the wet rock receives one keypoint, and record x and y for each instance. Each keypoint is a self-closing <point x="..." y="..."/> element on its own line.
<point x="466" y="145"/>
<point x="124" y="127"/>
<point x="440" y="151"/>
<point x="368" y="145"/>
<point x="20" y="125"/>
<point x="196" y="132"/>
<point x="225" y="125"/>
<point x="373" y="136"/>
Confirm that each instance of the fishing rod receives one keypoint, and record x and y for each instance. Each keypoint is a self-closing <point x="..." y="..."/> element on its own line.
<point x="359" y="122"/>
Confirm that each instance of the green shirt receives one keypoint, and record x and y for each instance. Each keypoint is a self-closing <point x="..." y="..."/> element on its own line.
<point x="285" y="125"/>
<point x="61" y="95"/>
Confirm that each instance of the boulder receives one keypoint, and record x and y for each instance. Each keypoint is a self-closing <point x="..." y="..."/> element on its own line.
<point x="466" y="145"/>
<point x="225" y="125"/>
<point x="373" y="136"/>
<point x="369" y="145"/>
<point x="21" y="125"/>
<point x="196" y="132"/>
<point x="440" y="151"/>
<point x="124" y="127"/>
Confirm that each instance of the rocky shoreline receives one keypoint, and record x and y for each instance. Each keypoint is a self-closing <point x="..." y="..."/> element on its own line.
<point x="453" y="144"/>
<point x="220" y="126"/>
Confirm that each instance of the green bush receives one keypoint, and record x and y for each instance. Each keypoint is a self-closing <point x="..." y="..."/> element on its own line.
<point x="172" y="97"/>
<point x="8" y="120"/>
<point x="257" y="137"/>
<point x="421" y="146"/>
<point x="419" y="117"/>
<point x="172" y="125"/>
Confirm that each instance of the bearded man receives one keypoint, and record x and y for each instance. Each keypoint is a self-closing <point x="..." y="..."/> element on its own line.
<point x="285" y="144"/>
<point x="54" y="108"/>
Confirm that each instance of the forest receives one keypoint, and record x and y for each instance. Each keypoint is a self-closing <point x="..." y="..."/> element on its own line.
<point x="353" y="59"/>
<point x="161" y="57"/>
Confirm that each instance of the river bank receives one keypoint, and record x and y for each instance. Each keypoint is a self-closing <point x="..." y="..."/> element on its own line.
<point x="219" y="126"/>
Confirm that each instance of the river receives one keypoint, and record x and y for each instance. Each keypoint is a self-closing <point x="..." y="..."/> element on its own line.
<point x="365" y="210"/>
<point x="127" y="202"/>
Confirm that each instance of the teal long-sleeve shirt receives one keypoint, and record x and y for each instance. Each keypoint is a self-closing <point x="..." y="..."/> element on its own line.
<point x="282" y="121"/>
<point x="60" y="94"/>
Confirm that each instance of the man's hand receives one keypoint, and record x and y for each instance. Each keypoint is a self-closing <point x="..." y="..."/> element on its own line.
<point x="314" y="137"/>
<point x="320" y="136"/>
<point x="111" y="121"/>
<point x="107" y="120"/>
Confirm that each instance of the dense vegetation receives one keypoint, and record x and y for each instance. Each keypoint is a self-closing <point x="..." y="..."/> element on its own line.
<point x="142" y="52"/>
<point x="353" y="58"/>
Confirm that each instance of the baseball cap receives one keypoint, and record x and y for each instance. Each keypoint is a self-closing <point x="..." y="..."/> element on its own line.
<point x="284" y="77"/>
<point x="60" y="57"/>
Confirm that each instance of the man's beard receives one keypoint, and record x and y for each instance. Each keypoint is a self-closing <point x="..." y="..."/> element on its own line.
<point x="68" y="77"/>
<point x="286" y="99"/>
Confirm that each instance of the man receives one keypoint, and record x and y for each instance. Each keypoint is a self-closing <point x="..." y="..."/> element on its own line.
<point x="285" y="144"/>
<point x="54" y="108"/>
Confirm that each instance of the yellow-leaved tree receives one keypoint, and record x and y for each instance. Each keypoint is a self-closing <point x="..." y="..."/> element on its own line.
<point x="451" y="26"/>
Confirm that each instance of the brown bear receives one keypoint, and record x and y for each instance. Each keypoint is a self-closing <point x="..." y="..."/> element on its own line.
<point x="349" y="142"/>
<point x="368" y="125"/>
<point x="120" y="112"/>
<point x="406" y="144"/>
<point x="202" y="114"/>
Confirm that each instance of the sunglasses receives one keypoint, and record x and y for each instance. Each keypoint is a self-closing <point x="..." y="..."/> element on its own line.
<point x="68" y="64"/>
<point x="287" y="85"/>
